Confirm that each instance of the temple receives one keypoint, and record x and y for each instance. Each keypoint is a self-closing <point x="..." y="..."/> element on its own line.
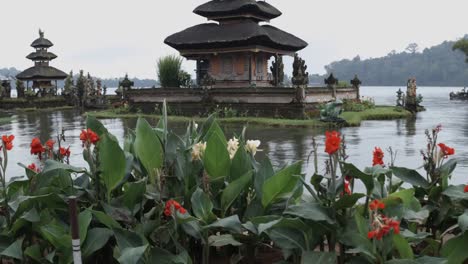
<point x="234" y="50"/>
<point x="41" y="74"/>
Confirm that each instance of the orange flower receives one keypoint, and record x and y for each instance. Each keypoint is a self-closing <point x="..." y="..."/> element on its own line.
<point x="8" y="141"/>
<point x="173" y="205"/>
<point x="446" y="150"/>
<point x="36" y="147"/>
<point x="347" y="190"/>
<point x="89" y="137"/>
<point x="65" y="152"/>
<point x="332" y="142"/>
<point x="50" y="144"/>
<point x="378" y="157"/>
<point x="34" y="168"/>
<point x="466" y="189"/>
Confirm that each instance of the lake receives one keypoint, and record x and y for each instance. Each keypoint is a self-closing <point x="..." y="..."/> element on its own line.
<point x="283" y="145"/>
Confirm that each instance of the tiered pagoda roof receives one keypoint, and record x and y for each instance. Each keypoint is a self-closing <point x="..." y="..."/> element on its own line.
<point x="238" y="29"/>
<point x="41" y="58"/>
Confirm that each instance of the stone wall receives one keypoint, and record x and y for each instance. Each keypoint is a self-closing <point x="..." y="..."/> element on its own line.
<point x="264" y="102"/>
<point x="21" y="103"/>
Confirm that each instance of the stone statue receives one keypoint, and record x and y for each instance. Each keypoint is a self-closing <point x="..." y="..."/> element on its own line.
<point x="331" y="83"/>
<point x="300" y="76"/>
<point x="357" y="85"/>
<point x="331" y="112"/>
<point x="98" y="87"/>
<point x="20" y="88"/>
<point x="411" y="95"/>
<point x="399" y="101"/>
<point x="277" y="70"/>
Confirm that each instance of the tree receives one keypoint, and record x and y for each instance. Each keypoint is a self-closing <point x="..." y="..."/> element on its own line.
<point x="462" y="45"/>
<point x="20" y="88"/>
<point x="170" y="72"/>
<point x="68" y="87"/>
<point x="412" y="48"/>
<point x="81" y="87"/>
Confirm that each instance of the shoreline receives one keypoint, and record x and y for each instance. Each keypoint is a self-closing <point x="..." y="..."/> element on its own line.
<point x="352" y="119"/>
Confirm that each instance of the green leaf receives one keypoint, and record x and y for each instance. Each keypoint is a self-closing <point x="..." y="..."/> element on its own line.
<point x="148" y="149"/>
<point x="132" y="255"/>
<point x="96" y="126"/>
<point x="367" y="179"/>
<point x="34" y="252"/>
<point x="456" y="193"/>
<point x="202" y="206"/>
<point x="51" y="165"/>
<point x="105" y="219"/>
<point x="455" y="249"/>
<point x="241" y="164"/>
<point x="463" y="221"/>
<point x="231" y="223"/>
<point x="403" y="247"/>
<point x="348" y="201"/>
<point x="406" y="196"/>
<point x="57" y="235"/>
<point x="311" y="211"/>
<point x="112" y="163"/>
<point x="161" y="256"/>
<point x="14" y="250"/>
<point x="233" y="190"/>
<point x="410" y="176"/>
<point x="216" y="158"/>
<point x="288" y="238"/>
<point x="133" y="194"/>
<point x="84" y="220"/>
<point x="223" y="240"/>
<point x="280" y="184"/>
<point x="97" y="239"/>
<point x="318" y="257"/>
<point x="264" y="173"/>
<point x="214" y="129"/>
<point x="448" y="167"/>
<point x="128" y="239"/>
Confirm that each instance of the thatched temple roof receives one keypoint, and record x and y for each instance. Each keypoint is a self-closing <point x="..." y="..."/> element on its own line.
<point x="41" y="55"/>
<point x="235" y="8"/>
<point x="41" y="72"/>
<point x="242" y="34"/>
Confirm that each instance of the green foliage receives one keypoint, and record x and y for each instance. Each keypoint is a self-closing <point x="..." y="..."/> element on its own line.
<point x="170" y="72"/>
<point x="462" y="45"/>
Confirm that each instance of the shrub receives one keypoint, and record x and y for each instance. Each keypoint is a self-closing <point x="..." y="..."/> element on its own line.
<point x="170" y="72"/>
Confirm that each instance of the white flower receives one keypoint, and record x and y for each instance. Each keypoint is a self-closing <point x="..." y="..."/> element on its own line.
<point x="232" y="147"/>
<point x="252" y="146"/>
<point x="195" y="125"/>
<point x="198" y="150"/>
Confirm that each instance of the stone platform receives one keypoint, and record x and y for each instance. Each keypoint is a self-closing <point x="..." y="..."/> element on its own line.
<point x="258" y="102"/>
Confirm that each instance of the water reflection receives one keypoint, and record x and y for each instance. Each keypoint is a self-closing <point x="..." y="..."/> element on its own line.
<point x="283" y="145"/>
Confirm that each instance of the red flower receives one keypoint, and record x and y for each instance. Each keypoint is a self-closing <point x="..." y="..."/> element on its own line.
<point x="446" y="150"/>
<point x="371" y="234"/>
<point x="376" y="204"/>
<point x="36" y="147"/>
<point x="347" y="190"/>
<point x="34" y="168"/>
<point x="466" y="189"/>
<point x="332" y="142"/>
<point x="65" y="152"/>
<point x="173" y="205"/>
<point x="50" y="144"/>
<point x="8" y="141"/>
<point x="382" y="225"/>
<point x="348" y="178"/>
<point x="88" y="136"/>
<point x="378" y="157"/>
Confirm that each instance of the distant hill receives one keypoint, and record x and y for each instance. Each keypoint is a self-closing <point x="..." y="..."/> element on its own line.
<point x="435" y="66"/>
<point x="109" y="82"/>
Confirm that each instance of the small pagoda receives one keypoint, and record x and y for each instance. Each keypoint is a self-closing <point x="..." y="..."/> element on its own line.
<point x="234" y="50"/>
<point x="43" y="77"/>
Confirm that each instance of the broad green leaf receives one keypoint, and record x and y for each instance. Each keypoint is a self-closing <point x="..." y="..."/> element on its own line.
<point x="97" y="239"/>
<point x="133" y="194"/>
<point x="223" y="240"/>
<point x="280" y="184"/>
<point x="455" y="249"/>
<point x="57" y="235"/>
<point x="264" y="172"/>
<point x="84" y="220"/>
<point x="456" y="193"/>
<point x="402" y="246"/>
<point x="367" y="179"/>
<point x="51" y="165"/>
<point x="288" y="238"/>
<point x="318" y="257"/>
<point x="216" y="158"/>
<point x="112" y="163"/>
<point x="132" y="255"/>
<point x="96" y="126"/>
<point x="233" y="190"/>
<point x="241" y="164"/>
<point x="448" y="167"/>
<point x="410" y="176"/>
<point x="348" y="201"/>
<point x="148" y="149"/>
<point x="202" y="206"/>
<point x="14" y="250"/>
<point x="214" y="129"/>
<point x="231" y="223"/>
<point x="105" y="219"/>
<point x="311" y="211"/>
<point x="128" y="239"/>
<point x="34" y="252"/>
<point x="161" y="256"/>
<point x="463" y="221"/>
<point x="406" y="196"/>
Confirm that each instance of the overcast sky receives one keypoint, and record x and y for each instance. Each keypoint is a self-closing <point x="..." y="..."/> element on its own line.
<point x="112" y="37"/>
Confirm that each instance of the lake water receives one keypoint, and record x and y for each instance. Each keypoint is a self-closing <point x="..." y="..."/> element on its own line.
<point x="283" y="145"/>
